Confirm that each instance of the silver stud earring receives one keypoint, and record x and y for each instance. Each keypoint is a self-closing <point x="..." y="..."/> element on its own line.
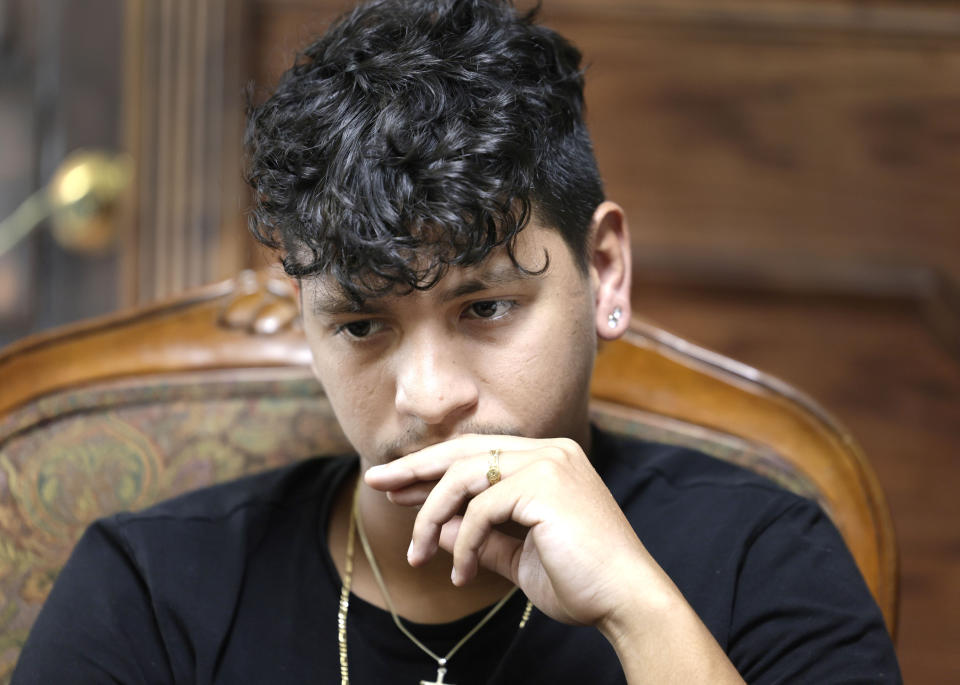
<point x="614" y="319"/>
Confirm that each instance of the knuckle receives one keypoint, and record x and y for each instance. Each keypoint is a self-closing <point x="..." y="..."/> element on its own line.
<point x="458" y="478"/>
<point x="421" y="528"/>
<point x="474" y="507"/>
<point x="567" y="446"/>
<point x="457" y="470"/>
<point x="547" y="471"/>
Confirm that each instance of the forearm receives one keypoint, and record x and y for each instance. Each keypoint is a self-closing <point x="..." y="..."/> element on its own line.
<point x="660" y="639"/>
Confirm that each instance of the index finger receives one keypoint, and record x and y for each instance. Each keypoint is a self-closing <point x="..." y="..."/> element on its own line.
<point x="430" y="463"/>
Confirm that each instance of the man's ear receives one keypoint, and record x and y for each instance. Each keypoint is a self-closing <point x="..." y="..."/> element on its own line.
<point x="610" y="269"/>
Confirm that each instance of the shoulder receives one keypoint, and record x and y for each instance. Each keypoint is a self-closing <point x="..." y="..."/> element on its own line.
<point x="704" y="519"/>
<point x="284" y="488"/>
<point x="765" y="568"/>
<point x="681" y="483"/>
<point x="220" y="527"/>
<point x="161" y="586"/>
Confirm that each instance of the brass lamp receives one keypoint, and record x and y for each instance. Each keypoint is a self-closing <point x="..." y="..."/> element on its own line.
<point x="79" y="200"/>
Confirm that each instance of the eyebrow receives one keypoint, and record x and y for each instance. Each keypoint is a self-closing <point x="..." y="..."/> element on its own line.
<point x="338" y="303"/>
<point x="496" y="276"/>
<point x="332" y="304"/>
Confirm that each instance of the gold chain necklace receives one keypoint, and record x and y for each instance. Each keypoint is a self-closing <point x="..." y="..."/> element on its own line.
<point x="356" y="526"/>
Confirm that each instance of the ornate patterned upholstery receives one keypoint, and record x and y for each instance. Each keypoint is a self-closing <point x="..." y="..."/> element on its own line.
<point x="122" y="412"/>
<point x="72" y="457"/>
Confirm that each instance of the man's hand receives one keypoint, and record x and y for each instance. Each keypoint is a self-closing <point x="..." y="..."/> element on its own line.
<point x="576" y="556"/>
<point x="579" y="559"/>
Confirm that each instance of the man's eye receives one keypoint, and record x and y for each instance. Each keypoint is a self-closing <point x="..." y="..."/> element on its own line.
<point x="360" y="329"/>
<point x="490" y="309"/>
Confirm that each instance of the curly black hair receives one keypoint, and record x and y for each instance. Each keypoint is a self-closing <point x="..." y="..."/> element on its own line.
<point x="415" y="135"/>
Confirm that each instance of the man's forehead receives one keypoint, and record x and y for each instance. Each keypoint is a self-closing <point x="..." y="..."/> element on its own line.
<point x="329" y="296"/>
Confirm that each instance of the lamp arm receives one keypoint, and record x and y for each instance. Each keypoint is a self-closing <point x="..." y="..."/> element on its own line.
<point x="23" y="220"/>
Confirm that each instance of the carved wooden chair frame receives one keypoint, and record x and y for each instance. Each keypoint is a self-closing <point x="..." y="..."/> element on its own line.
<point x="239" y="342"/>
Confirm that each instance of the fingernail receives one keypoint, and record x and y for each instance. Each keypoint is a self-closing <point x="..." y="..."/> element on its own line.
<point x="453" y="575"/>
<point x="409" y="552"/>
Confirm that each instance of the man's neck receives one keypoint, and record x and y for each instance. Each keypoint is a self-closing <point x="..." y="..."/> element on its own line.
<point x="424" y="594"/>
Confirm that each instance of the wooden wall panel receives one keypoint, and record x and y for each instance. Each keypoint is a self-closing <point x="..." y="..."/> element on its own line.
<point x="781" y="141"/>
<point x="279" y="29"/>
<point x="772" y="132"/>
<point x="787" y="145"/>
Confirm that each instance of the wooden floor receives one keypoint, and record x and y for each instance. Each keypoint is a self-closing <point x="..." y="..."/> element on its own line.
<point x="883" y="374"/>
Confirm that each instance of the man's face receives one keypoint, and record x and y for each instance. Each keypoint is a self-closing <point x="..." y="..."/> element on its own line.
<point x="489" y="349"/>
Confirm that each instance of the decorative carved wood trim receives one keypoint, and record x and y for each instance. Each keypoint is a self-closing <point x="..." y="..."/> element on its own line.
<point x="190" y="332"/>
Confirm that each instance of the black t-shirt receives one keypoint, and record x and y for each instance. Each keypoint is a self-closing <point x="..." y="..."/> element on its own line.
<point x="235" y="584"/>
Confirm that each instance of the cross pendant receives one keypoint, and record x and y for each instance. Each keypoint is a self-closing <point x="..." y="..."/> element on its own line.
<point x="441" y="671"/>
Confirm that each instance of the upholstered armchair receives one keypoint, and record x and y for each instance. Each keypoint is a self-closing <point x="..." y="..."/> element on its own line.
<point x="123" y="411"/>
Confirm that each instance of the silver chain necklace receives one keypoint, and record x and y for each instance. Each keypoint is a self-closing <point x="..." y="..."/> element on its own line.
<point x="356" y="525"/>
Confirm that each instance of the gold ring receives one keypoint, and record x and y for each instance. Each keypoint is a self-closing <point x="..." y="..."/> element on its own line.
<point x="493" y="467"/>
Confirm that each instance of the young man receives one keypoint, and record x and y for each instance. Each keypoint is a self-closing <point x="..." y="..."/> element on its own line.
<point x="426" y="173"/>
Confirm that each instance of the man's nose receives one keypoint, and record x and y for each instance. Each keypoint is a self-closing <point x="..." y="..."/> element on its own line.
<point x="433" y="383"/>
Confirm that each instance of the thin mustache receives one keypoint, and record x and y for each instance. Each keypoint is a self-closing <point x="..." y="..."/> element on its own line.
<point x="415" y="439"/>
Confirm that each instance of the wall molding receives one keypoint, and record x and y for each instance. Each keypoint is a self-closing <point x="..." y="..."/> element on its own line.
<point x="183" y="116"/>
